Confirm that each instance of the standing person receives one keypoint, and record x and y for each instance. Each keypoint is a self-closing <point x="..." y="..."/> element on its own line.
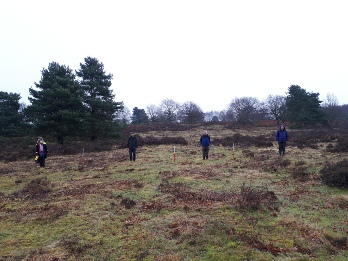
<point x="205" y="142"/>
<point x="282" y="138"/>
<point x="132" y="145"/>
<point x="41" y="151"/>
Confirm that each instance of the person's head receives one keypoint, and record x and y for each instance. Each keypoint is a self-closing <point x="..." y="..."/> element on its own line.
<point x="132" y="134"/>
<point x="282" y="126"/>
<point x="205" y="132"/>
<point x="40" y="140"/>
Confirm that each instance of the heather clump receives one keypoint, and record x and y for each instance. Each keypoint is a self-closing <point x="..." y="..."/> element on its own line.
<point x="335" y="174"/>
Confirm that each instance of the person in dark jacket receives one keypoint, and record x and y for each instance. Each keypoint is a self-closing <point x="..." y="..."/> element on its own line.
<point x="205" y="142"/>
<point x="132" y="145"/>
<point x="282" y="138"/>
<point x="41" y="151"/>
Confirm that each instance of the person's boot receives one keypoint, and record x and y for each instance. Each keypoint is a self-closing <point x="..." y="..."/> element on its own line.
<point x="206" y="157"/>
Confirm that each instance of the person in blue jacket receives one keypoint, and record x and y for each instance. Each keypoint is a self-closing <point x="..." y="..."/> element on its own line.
<point x="282" y="138"/>
<point x="205" y="142"/>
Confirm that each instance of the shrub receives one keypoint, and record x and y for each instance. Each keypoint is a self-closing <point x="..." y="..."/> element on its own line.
<point x="300" y="173"/>
<point x="248" y="153"/>
<point x="338" y="242"/>
<point x="340" y="201"/>
<point x="35" y="188"/>
<point x="245" y="141"/>
<point x="128" y="203"/>
<point x="151" y="140"/>
<point x="284" y="163"/>
<point x="310" y="137"/>
<point x="336" y="174"/>
<point x="341" y="145"/>
<point x="255" y="197"/>
<point x="300" y="163"/>
<point x="329" y="147"/>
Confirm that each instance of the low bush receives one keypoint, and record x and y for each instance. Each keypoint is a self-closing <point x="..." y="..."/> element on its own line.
<point x="248" y="153"/>
<point x="151" y="140"/>
<point x="338" y="242"/>
<point x="255" y="197"/>
<point x="35" y="189"/>
<point x="284" y="163"/>
<point x="23" y="148"/>
<point x="341" y="145"/>
<point x="300" y="163"/>
<point x="335" y="174"/>
<point x="311" y="137"/>
<point x="300" y="173"/>
<point x="340" y="201"/>
<point x="246" y="141"/>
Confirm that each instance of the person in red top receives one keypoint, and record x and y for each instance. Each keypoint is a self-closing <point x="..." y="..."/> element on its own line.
<point x="41" y="151"/>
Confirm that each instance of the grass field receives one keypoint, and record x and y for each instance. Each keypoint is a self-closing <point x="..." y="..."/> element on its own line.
<point x="247" y="205"/>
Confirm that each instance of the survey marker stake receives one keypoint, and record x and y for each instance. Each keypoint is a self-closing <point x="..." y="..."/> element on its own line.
<point x="233" y="151"/>
<point x="174" y="155"/>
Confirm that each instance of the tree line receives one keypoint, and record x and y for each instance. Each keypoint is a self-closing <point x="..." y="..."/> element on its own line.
<point x="67" y="103"/>
<point x="297" y="106"/>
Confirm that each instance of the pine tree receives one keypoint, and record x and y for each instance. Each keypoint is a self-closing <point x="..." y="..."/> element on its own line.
<point x="98" y="99"/>
<point x="139" y="116"/>
<point x="11" y="119"/>
<point x="56" y="104"/>
<point x="302" y="107"/>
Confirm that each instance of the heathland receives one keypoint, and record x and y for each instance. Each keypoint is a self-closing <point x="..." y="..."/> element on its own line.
<point x="244" y="203"/>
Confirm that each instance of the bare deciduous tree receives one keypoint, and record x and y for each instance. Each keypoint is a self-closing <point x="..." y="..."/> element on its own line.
<point x="211" y="116"/>
<point x="169" y="110"/>
<point x="154" y="113"/>
<point x="123" y="116"/>
<point x="332" y="110"/>
<point x="276" y="106"/>
<point x="245" y="109"/>
<point x="189" y="112"/>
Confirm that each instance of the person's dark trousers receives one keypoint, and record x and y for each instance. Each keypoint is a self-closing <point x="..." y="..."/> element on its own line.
<point x="205" y="150"/>
<point x="42" y="160"/>
<point x="282" y="148"/>
<point x="132" y="154"/>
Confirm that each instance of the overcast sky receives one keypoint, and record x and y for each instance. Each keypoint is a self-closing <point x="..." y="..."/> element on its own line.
<point x="207" y="52"/>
